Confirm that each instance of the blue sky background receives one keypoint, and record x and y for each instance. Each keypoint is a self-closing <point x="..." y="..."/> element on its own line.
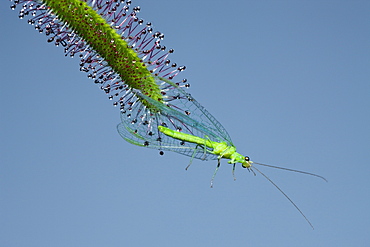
<point x="289" y="80"/>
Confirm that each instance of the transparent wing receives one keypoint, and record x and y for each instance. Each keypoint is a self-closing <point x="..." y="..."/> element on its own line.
<point x="180" y="111"/>
<point x="166" y="143"/>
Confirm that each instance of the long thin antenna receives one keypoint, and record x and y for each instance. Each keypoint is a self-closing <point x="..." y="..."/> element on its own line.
<point x="292" y="170"/>
<point x="286" y="196"/>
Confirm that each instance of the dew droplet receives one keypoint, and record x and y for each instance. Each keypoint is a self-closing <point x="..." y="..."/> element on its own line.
<point x="181" y="68"/>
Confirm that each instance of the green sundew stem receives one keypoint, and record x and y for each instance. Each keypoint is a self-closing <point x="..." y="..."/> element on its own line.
<point x="94" y="29"/>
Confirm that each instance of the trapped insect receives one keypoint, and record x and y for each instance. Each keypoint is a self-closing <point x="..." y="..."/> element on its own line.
<point x="125" y="57"/>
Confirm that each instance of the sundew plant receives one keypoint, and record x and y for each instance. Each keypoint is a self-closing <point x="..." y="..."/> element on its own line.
<point x="124" y="56"/>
